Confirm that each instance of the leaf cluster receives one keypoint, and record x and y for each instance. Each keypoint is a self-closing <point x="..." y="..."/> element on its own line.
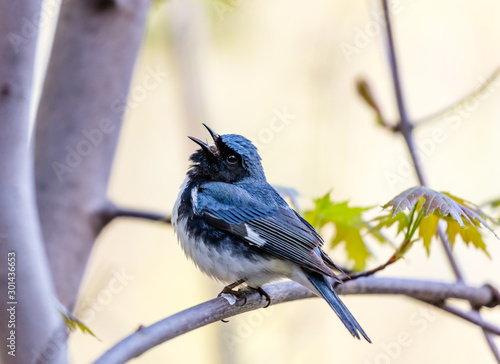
<point x="415" y="213"/>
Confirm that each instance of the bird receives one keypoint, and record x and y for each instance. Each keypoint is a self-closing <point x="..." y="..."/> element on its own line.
<point x="237" y="229"/>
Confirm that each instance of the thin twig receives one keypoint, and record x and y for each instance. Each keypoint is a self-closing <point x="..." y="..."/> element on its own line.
<point x="139" y="214"/>
<point x="393" y="259"/>
<point x="463" y="100"/>
<point x="487" y="334"/>
<point x="468" y="316"/>
<point x="406" y="129"/>
<point x="219" y="308"/>
<point x="449" y="254"/>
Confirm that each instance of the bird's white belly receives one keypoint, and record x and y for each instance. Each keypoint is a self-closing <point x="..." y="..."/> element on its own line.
<point x="225" y="267"/>
<point x="221" y="264"/>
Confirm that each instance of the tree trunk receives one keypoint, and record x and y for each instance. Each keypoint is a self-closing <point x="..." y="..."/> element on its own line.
<point x="78" y="124"/>
<point x="28" y="314"/>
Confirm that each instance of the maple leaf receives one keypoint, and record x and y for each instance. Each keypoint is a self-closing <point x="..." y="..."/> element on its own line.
<point x="354" y="245"/>
<point x="460" y="210"/>
<point x="463" y="217"/>
<point x="349" y="227"/>
<point x="427" y="229"/>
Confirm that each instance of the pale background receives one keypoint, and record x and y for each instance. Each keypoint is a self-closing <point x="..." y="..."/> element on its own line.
<point x="262" y="56"/>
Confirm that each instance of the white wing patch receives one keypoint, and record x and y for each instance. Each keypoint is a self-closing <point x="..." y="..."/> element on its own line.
<point x="253" y="237"/>
<point x="194" y="199"/>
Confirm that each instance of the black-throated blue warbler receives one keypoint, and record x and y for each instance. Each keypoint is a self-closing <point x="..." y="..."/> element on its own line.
<point x="239" y="230"/>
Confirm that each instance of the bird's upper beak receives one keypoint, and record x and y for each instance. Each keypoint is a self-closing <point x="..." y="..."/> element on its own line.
<point x="214" y="135"/>
<point x="204" y="145"/>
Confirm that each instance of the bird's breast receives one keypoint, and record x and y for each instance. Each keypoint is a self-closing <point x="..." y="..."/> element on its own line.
<point x="217" y="253"/>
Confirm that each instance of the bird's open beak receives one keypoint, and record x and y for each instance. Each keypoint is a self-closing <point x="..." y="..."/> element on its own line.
<point x="204" y="145"/>
<point x="214" y="135"/>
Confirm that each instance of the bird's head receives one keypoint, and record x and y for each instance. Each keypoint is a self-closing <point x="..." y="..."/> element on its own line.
<point x="231" y="159"/>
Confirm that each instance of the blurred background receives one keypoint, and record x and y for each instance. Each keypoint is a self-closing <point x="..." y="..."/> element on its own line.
<point x="283" y="74"/>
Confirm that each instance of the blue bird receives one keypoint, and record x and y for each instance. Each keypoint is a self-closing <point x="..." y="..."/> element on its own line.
<point x="237" y="229"/>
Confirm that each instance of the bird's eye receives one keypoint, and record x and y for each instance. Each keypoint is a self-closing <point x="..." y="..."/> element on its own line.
<point x="232" y="159"/>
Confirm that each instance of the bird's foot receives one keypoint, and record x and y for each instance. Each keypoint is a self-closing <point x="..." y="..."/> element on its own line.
<point x="240" y="297"/>
<point x="265" y="295"/>
<point x="234" y="297"/>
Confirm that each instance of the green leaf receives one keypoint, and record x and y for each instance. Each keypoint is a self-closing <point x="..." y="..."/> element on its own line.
<point x="349" y="226"/>
<point x="493" y="203"/>
<point x="386" y="221"/>
<point x="72" y="322"/>
<point x="469" y="235"/>
<point x="452" y="230"/>
<point x="355" y="247"/>
<point x="326" y="211"/>
<point x="427" y="229"/>
<point x="473" y="236"/>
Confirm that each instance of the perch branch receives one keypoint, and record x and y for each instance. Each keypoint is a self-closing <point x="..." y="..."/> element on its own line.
<point x="219" y="308"/>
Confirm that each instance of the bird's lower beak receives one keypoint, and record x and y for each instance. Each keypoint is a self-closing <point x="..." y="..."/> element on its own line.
<point x="212" y="150"/>
<point x="204" y="145"/>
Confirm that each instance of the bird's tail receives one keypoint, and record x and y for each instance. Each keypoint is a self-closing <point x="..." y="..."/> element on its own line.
<point x="327" y="292"/>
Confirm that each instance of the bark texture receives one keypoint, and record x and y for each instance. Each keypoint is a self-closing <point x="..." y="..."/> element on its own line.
<point x="78" y="124"/>
<point x="28" y="315"/>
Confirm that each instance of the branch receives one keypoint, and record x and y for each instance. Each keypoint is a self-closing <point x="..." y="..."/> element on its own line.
<point x="484" y="86"/>
<point x="78" y="125"/>
<point x="468" y="316"/>
<point x="139" y="214"/>
<point x="27" y="315"/>
<point x="406" y="129"/>
<point x="405" y="126"/>
<point x="218" y="309"/>
<point x="364" y="90"/>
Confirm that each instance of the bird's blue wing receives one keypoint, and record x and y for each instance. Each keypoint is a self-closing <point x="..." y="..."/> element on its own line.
<point x="269" y="226"/>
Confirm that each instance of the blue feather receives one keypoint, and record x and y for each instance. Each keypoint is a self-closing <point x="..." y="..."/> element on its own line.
<point x="338" y="306"/>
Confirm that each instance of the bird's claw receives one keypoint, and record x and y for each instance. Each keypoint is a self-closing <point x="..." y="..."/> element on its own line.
<point x="234" y="297"/>
<point x="265" y="295"/>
